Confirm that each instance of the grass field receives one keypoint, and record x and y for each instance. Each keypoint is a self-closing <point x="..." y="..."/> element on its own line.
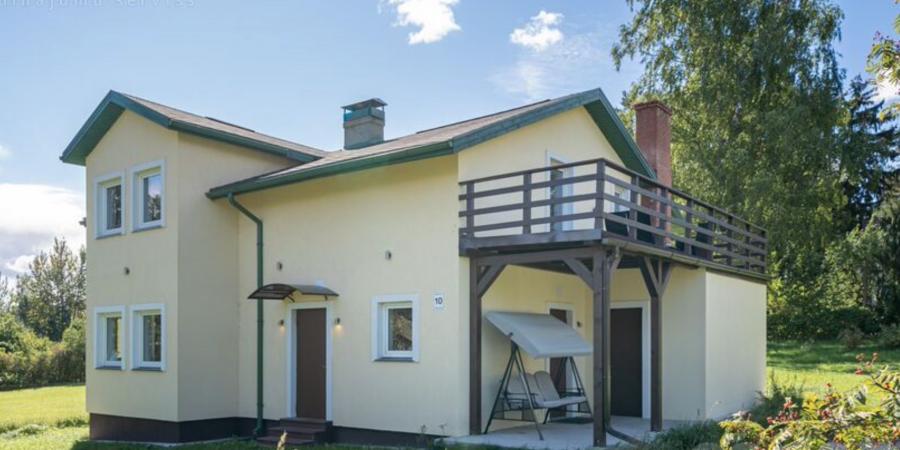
<point x="812" y="365"/>
<point x="53" y="418"/>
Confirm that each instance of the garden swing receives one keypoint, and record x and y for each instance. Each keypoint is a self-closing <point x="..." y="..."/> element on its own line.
<point x="521" y="393"/>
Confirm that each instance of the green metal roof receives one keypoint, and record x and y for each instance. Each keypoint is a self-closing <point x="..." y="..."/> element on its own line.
<point x="112" y="106"/>
<point x="451" y="139"/>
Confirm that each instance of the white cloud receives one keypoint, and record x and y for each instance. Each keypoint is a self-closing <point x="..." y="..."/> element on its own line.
<point x="577" y="63"/>
<point x="32" y="215"/>
<point x="433" y="17"/>
<point x="887" y="91"/>
<point x="5" y="152"/>
<point x="540" y="32"/>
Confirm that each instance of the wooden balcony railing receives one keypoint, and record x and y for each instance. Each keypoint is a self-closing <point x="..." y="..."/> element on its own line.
<point x="598" y="199"/>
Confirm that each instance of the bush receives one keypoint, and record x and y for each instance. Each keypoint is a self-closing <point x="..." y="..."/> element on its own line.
<point x="685" y="437"/>
<point x="889" y="336"/>
<point x="27" y="360"/>
<point x="771" y="403"/>
<point x="851" y="338"/>
<point x="835" y="418"/>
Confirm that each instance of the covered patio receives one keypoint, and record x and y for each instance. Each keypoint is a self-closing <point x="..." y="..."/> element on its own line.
<point x="559" y="435"/>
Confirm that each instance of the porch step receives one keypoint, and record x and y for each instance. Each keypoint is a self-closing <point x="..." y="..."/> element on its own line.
<point x="300" y="431"/>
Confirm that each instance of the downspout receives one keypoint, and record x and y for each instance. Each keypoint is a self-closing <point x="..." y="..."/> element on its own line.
<point x="260" y="428"/>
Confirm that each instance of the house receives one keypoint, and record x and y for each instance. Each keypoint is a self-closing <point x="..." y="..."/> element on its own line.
<point x="371" y="268"/>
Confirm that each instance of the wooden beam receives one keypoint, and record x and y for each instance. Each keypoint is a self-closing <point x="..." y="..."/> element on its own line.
<point x="486" y="279"/>
<point x="474" y="349"/>
<point x="656" y="274"/>
<point x="601" y="346"/>
<point x="581" y="270"/>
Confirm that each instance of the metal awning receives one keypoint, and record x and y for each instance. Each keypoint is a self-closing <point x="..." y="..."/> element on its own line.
<point x="281" y="291"/>
<point x="540" y="335"/>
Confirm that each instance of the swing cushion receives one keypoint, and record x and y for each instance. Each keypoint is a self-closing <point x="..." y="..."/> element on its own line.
<point x="549" y="394"/>
<point x="516" y="389"/>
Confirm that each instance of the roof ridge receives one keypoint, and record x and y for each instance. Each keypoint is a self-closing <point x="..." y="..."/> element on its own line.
<point x="484" y="116"/>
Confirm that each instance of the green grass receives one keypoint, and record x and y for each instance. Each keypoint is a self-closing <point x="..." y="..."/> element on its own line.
<point x="53" y="406"/>
<point x="813" y="365"/>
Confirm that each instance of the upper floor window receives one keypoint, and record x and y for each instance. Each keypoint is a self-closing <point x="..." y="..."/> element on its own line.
<point x="109" y="205"/>
<point x="149" y="195"/>
<point x="149" y="337"/>
<point x="109" y="337"/>
<point x="395" y="331"/>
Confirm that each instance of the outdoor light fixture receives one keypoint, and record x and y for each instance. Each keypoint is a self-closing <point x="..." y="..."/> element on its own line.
<point x="279" y="266"/>
<point x="127" y="270"/>
<point x="388" y="255"/>
<point x="337" y="321"/>
<point x="281" y="323"/>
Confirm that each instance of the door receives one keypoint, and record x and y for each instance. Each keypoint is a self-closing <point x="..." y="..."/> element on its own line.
<point x="559" y="370"/>
<point x="626" y="361"/>
<point x="311" y="364"/>
<point x="558" y="192"/>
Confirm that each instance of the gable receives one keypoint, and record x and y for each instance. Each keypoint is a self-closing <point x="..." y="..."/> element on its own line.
<point x="114" y="104"/>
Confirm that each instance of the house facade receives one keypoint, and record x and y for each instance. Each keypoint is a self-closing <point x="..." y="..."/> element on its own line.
<point x="393" y="250"/>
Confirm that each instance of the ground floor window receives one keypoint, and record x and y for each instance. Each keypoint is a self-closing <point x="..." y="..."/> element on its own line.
<point x="109" y="336"/>
<point x="149" y="337"/>
<point x="395" y="328"/>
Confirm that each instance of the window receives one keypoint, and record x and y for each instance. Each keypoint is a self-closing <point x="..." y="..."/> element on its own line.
<point x="395" y="328"/>
<point x="623" y="194"/>
<point x="149" y="195"/>
<point x="109" y="337"/>
<point x="560" y="191"/>
<point x="109" y="205"/>
<point x="149" y="337"/>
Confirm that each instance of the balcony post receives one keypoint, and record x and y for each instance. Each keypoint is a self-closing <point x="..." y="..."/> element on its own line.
<point x="600" y="190"/>
<point x="526" y="203"/>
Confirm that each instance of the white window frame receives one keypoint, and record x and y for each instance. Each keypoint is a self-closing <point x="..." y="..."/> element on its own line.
<point x="137" y="337"/>
<point x="101" y="313"/>
<point x="624" y="194"/>
<point x="100" y="207"/>
<point x="380" y="307"/>
<point x="138" y="173"/>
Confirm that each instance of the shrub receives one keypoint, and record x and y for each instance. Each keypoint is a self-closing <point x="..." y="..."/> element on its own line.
<point x="29" y="360"/>
<point x="836" y="418"/>
<point x="685" y="437"/>
<point x="770" y="403"/>
<point x="851" y="338"/>
<point x="889" y="336"/>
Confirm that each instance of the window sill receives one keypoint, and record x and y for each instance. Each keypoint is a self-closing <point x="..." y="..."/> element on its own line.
<point x="395" y="359"/>
<point x="147" y="227"/>
<point x="147" y="369"/>
<point x="116" y="368"/>
<point x="110" y="234"/>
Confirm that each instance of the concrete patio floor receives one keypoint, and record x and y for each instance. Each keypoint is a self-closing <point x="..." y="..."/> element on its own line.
<point x="559" y="436"/>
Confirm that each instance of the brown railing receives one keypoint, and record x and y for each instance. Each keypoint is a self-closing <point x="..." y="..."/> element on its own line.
<point x="600" y="199"/>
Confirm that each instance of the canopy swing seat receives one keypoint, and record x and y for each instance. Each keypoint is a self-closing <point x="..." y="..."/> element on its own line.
<point x="521" y="394"/>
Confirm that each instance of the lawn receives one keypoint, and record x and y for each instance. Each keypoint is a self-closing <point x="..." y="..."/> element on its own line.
<point x="54" y="406"/>
<point x="813" y="365"/>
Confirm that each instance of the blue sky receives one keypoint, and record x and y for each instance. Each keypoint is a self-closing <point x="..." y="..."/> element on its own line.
<point x="285" y="67"/>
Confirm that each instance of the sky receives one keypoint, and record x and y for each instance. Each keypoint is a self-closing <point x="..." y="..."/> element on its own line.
<point x="285" y="67"/>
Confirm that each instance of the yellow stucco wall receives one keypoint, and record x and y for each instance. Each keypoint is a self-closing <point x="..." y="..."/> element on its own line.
<point x="188" y="265"/>
<point x="337" y="231"/>
<point x="735" y="343"/>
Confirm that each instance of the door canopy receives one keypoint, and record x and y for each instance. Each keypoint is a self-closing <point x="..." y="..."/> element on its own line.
<point x="281" y="291"/>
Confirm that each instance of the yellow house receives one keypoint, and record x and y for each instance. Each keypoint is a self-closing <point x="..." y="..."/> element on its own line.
<point x="238" y="283"/>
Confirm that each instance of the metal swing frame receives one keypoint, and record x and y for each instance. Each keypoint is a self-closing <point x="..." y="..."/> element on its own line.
<point x="525" y="405"/>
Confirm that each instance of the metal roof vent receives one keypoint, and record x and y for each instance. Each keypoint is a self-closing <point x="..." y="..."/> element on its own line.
<point x="364" y="123"/>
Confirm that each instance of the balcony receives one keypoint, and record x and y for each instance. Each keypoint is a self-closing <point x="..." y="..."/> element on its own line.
<point x="600" y="202"/>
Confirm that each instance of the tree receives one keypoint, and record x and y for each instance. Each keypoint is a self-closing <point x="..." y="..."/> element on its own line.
<point x="52" y="293"/>
<point x="758" y="107"/>
<point x="868" y="160"/>
<point x="884" y="59"/>
<point x="6" y="293"/>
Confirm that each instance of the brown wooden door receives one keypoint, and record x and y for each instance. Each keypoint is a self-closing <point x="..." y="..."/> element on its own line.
<point x="311" y="364"/>
<point x="558" y="369"/>
<point x="625" y="362"/>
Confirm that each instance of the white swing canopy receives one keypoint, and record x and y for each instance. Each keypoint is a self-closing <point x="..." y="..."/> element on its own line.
<point x="540" y="335"/>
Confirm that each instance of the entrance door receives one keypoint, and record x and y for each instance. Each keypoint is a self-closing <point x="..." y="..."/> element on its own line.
<point x="311" y="365"/>
<point x="559" y="370"/>
<point x="625" y="362"/>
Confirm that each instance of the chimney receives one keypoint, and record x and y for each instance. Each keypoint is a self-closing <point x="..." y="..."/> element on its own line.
<point x="364" y="123"/>
<point x="654" y="136"/>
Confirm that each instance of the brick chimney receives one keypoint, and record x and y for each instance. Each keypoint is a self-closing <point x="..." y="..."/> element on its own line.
<point x="653" y="134"/>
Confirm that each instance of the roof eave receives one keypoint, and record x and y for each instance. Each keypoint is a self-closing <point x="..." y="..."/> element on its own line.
<point x="352" y="165"/>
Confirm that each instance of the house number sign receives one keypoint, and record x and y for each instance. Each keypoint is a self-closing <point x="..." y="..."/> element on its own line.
<point x="438" y="301"/>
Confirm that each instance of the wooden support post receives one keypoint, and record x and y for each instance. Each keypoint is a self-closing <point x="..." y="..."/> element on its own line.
<point x="601" y="345"/>
<point x="480" y="280"/>
<point x="656" y="274"/>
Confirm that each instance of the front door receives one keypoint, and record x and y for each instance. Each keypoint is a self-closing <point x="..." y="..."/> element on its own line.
<point x="625" y="361"/>
<point x="558" y="368"/>
<point x="311" y="364"/>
